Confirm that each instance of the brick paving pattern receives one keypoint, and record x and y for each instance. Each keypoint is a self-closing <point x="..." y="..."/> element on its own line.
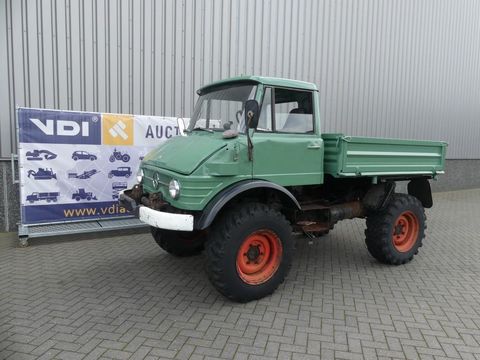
<point x="124" y="298"/>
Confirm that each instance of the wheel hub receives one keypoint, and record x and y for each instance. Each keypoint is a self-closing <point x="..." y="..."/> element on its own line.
<point x="399" y="229"/>
<point x="405" y="231"/>
<point x="253" y="252"/>
<point x="259" y="257"/>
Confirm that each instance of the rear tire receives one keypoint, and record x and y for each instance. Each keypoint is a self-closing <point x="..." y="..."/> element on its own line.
<point x="249" y="251"/>
<point x="179" y="243"/>
<point x="394" y="235"/>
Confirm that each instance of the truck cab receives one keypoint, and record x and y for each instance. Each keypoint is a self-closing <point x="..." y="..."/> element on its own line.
<point x="253" y="164"/>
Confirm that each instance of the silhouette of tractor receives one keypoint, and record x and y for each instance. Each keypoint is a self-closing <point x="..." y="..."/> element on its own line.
<point x="42" y="174"/>
<point x="117" y="155"/>
<point x="81" y="194"/>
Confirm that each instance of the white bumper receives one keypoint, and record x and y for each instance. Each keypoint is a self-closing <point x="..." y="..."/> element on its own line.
<point x="163" y="220"/>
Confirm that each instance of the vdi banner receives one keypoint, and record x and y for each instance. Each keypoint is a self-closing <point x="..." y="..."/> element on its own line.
<point x="74" y="164"/>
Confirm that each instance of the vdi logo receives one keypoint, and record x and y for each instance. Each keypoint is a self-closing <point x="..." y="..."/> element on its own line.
<point x="61" y="127"/>
<point x="117" y="129"/>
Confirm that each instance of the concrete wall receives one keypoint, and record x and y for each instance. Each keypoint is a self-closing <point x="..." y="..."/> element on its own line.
<point x="460" y="174"/>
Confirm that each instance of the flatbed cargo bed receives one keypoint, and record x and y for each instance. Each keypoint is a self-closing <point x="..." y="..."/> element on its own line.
<point x="353" y="156"/>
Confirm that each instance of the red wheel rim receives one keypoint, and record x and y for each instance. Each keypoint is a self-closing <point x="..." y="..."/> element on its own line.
<point x="259" y="257"/>
<point x="405" y="231"/>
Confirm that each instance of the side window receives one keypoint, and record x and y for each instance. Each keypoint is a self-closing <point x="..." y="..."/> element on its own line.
<point x="265" y="120"/>
<point x="293" y="111"/>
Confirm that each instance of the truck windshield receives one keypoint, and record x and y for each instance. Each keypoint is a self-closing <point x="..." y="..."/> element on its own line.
<point x="222" y="109"/>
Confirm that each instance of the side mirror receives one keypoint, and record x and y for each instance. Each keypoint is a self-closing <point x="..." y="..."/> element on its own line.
<point x="252" y="112"/>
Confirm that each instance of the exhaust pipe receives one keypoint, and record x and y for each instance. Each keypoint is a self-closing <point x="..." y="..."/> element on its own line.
<point x="344" y="211"/>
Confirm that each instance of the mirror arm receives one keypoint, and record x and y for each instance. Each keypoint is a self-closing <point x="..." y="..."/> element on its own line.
<point x="249" y="140"/>
<point x="181" y="127"/>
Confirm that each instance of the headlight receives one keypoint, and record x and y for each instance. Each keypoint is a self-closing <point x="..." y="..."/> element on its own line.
<point x="139" y="176"/>
<point x="174" y="188"/>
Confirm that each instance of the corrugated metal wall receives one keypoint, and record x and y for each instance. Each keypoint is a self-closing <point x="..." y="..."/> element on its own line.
<point x="384" y="68"/>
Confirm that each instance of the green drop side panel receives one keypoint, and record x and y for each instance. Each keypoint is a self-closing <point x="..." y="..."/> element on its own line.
<point x="349" y="156"/>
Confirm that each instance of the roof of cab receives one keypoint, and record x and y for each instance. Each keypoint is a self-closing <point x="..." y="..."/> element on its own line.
<point x="272" y="81"/>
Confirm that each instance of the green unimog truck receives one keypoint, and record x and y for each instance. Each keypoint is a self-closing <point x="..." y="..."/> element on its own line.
<point x="253" y="167"/>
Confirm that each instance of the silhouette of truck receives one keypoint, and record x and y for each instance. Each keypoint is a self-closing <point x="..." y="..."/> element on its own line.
<point x="47" y="196"/>
<point x="81" y="194"/>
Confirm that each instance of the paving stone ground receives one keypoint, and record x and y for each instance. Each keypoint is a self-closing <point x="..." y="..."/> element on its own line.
<point x="122" y="297"/>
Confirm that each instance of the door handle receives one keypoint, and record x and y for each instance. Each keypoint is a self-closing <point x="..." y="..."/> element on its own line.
<point x="314" y="146"/>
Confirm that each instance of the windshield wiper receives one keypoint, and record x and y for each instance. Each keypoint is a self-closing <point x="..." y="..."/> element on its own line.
<point x="201" y="128"/>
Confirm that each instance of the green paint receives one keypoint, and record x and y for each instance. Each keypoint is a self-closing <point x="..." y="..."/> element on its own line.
<point x="361" y="156"/>
<point x="205" y="163"/>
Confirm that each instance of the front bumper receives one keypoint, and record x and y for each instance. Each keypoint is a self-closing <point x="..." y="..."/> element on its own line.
<point x="155" y="218"/>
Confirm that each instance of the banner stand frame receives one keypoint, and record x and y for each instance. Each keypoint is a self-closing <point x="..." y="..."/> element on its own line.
<point x="27" y="231"/>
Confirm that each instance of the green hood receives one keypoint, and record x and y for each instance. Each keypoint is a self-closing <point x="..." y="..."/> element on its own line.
<point x="183" y="154"/>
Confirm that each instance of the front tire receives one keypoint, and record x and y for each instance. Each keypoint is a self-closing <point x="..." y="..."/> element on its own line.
<point x="249" y="251"/>
<point x="179" y="243"/>
<point x="394" y="235"/>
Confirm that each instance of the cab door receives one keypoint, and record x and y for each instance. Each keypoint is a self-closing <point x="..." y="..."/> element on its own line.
<point x="288" y="150"/>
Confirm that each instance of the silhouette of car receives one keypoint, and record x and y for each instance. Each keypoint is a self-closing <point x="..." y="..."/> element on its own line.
<point x="83" y="155"/>
<point x="123" y="171"/>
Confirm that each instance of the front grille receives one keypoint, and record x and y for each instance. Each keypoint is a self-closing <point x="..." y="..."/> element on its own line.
<point x="150" y="175"/>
